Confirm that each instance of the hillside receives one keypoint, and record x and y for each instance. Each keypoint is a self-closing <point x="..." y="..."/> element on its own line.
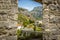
<point x="37" y="12"/>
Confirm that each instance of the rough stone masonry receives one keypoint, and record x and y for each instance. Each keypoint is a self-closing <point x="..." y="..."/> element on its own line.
<point x="51" y="19"/>
<point x="8" y="10"/>
<point x="8" y="17"/>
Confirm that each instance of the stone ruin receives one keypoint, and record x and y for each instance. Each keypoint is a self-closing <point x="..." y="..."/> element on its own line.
<point x="8" y="12"/>
<point x="51" y="19"/>
<point x="8" y="17"/>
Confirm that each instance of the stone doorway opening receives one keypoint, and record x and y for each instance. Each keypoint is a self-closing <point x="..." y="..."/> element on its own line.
<point x="32" y="10"/>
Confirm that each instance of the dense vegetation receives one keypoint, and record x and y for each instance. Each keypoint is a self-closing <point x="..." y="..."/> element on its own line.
<point x="24" y="20"/>
<point x="28" y="22"/>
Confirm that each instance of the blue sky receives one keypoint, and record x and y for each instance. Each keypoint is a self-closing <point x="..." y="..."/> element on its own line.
<point x="28" y="4"/>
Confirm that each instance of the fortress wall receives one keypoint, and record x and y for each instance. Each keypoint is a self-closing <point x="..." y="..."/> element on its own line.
<point x="51" y="18"/>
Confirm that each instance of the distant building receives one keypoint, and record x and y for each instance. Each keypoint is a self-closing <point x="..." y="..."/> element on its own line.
<point x="38" y="22"/>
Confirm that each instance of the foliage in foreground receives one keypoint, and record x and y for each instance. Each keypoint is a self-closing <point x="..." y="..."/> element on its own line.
<point x="28" y="23"/>
<point x="24" y="19"/>
<point x="31" y="35"/>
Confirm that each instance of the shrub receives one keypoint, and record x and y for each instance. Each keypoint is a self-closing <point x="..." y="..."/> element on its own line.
<point x="38" y="29"/>
<point x="18" y="33"/>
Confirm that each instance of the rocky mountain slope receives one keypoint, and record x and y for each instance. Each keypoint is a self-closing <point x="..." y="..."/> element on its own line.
<point x="37" y="12"/>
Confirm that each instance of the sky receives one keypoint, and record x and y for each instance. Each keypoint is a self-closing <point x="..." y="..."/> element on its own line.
<point x="28" y="4"/>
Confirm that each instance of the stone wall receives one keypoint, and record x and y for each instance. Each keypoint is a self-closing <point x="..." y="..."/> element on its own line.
<point x="8" y="37"/>
<point x="8" y="18"/>
<point x="8" y="11"/>
<point x="51" y="18"/>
